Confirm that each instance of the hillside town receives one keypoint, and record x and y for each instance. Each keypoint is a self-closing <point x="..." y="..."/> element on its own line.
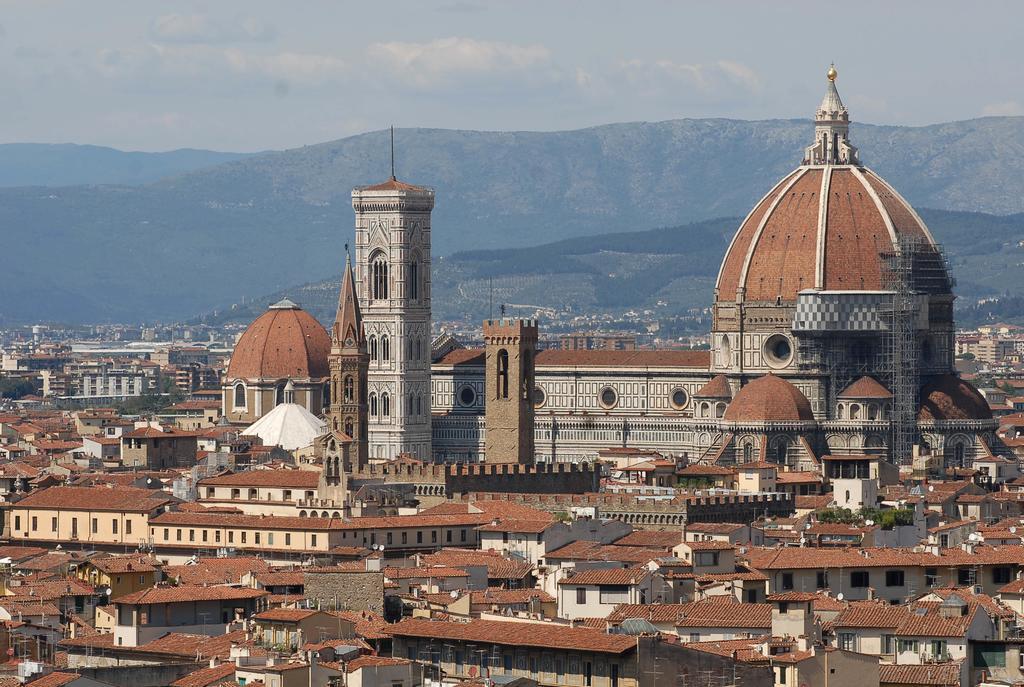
<point x="825" y="490"/>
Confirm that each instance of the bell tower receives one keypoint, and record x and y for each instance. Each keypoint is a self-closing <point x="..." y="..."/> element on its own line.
<point x="511" y="349"/>
<point x="349" y="362"/>
<point x="393" y="287"/>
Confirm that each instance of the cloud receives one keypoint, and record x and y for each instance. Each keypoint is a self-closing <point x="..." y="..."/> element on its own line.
<point x="199" y="28"/>
<point x="310" y="68"/>
<point x="445" y="59"/>
<point x="1011" y="108"/>
<point x="708" y="78"/>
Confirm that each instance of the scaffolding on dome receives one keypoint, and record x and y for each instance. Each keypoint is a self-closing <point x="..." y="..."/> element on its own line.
<point x="912" y="269"/>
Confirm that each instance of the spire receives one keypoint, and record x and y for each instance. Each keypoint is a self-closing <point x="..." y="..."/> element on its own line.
<point x="831" y="129"/>
<point x="392" y="153"/>
<point x="831" y="104"/>
<point x="348" y="323"/>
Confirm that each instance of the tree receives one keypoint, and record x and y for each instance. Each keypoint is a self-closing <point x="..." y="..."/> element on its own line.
<point x="16" y="388"/>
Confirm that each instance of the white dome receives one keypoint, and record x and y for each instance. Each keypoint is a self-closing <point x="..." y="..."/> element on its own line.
<point x="289" y="426"/>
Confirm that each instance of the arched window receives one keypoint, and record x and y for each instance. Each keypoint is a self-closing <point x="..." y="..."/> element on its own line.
<point x="379" y="278"/>
<point x="958" y="454"/>
<point x="410" y="404"/>
<point x="279" y="395"/>
<point x="414" y="279"/>
<point x="719" y="410"/>
<point x="781" y="447"/>
<point x="385" y="348"/>
<point x="372" y="345"/>
<point x="239" y="395"/>
<point x="349" y="427"/>
<point x="373" y="405"/>
<point x="854" y="411"/>
<point x="326" y="400"/>
<point x="419" y="348"/>
<point x="503" y="373"/>
<point x="349" y="389"/>
<point x="748" y="453"/>
<point x="385" y="405"/>
<point x="419" y="407"/>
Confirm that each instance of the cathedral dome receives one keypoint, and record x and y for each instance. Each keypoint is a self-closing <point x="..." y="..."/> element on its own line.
<point x="769" y="399"/>
<point x="284" y="342"/>
<point x="825" y="226"/>
<point x="947" y="397"/>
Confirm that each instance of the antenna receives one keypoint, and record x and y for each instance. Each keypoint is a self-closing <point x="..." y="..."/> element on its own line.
<point x="392" y="153"/>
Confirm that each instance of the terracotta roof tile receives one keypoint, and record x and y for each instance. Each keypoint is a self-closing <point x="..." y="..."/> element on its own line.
<point x="284" y="478"/>
<point x="188" y="593"/>
<point x="941" y="674"/>
<point x="517" y="634"/>
<point x="207" y="676"/>
<point x="769" y="399"/>
<point x="95" y="498"/>
<point x="281" y="343"/>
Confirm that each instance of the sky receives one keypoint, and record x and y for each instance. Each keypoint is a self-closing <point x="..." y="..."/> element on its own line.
<point x="249" y="75"/>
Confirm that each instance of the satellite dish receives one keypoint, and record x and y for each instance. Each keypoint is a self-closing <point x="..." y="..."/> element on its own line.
<point x="807" y="526"/>
<point x="109" y="591"/>
<point x="839" y="596"/>
<point x="58" y="547"/>
<point x="454" y="594"/>
<point x="931" y="487"/>
<point x="803" y="541"/>
<point x="869" y="523"/>
<point x="1013" y="530"/>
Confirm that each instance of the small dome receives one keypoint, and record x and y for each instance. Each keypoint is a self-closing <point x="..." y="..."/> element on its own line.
<point x="284" y="342"/>
<point x="289" y="426"/>
<point x="865" y="387"/>
<point x="718" y="387"/>
<point x="947" y="397"/>
<point x="769" y="399"/>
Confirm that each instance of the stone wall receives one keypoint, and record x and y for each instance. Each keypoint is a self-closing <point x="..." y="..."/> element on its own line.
<point x="544" y="478"/>
<point x="155" y="675"/>
<point x="346" y="591"/>
<point x="664" y="663"/>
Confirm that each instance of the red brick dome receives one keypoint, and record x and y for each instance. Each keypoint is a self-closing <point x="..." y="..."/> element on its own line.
<point x="947" y="397"/>
<point x="769" y="399"/>
<point x="821" y="227"/>
<point x="284" y="342"/>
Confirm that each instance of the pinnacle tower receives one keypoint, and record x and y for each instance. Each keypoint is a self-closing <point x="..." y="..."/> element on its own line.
<point x="831" y="129"/>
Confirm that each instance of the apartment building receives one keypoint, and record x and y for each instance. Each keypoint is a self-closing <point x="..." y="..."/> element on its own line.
<point x="93" y="515"/>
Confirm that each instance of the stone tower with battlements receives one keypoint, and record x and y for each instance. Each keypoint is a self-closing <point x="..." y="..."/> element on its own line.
<point x="511" y="349"/>
<point x="393" y="289"/>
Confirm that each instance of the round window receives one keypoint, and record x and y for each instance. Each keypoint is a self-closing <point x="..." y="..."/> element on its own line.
<point x="467" y="396"/>
<point x="778" y="351"/>
<point x="608" y="397"/>
<point x="538" y="397"/>
<point x="679" y="398"/>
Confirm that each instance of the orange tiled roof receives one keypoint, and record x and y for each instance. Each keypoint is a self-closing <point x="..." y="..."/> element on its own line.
<point x="865" y="387"/>
<point x="285" y="478"/>
<point x="188" y="593"/>
<point x="207" y="676"/>
<point x="281" y="343"/>
<point x="939" y="675"/>
<point x="517" y="634"/>
<point x="95" y="498"/>
<point x="769" y="399"/>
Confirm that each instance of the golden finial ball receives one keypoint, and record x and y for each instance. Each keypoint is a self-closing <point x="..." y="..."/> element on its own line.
<point x="832" y="73"/>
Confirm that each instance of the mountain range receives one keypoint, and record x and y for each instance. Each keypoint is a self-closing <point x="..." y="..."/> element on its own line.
<point x="669" y="271"/>
<point x="207" y="236"/>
